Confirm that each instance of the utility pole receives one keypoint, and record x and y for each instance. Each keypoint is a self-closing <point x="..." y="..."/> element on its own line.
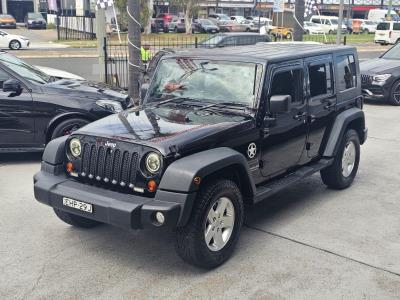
<point x="216" y="6"/>
<point x="134" y="46"/>
<point x="389" y="17"/>
<point x="340" y="22"/>
<point x="100" y="35"/>
<point x="299" y="15"/>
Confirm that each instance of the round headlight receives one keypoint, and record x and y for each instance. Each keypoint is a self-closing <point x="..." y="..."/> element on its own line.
<point x="75" y="147"/>
<point x="153" y="162"/>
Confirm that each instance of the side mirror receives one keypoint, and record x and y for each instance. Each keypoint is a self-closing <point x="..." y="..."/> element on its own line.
<point x="280" y="104"/>
<point x="143" y="90"/>
<point x="11" y="85"/>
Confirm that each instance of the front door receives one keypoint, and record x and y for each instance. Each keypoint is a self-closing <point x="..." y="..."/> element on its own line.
<point x="16" y="118"/>
<point x="283" y="146"/>
<point x="321" y="101"/>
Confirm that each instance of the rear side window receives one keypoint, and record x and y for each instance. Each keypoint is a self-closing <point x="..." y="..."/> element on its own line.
<point x="383" y="26"/>
<point x="317" y="21"/>
<point x="320" y="80"/>
<point x="396" y="26"/>
<point x="347" y="78"/>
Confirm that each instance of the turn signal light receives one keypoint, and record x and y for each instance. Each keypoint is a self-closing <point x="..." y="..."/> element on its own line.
<point x="69" y="167"/>
<point x="152" y="186"/>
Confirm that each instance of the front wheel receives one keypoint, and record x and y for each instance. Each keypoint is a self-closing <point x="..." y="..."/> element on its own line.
<point x="341" y="173"/>
<point x="210" y="236"/>
<point x="289" y="36"/>
<point x="67" y="127"/>
<point x="395" y="94"/>
<point x="15" y="45"/>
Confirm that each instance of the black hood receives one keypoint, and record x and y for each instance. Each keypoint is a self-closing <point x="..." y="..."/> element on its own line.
<point x="379" y="66"/>
<point x="166" y="128"/>
<point x="85" y="89"/>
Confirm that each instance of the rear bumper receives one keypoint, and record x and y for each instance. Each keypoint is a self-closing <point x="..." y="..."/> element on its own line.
<point x="122" y="210"/>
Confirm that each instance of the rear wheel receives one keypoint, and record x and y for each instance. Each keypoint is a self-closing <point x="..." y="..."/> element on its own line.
<point x="15" y="45"/>
<point x="210" y="236"/>
<point x="395" y="94"/>
<point x="75" y="220"/>
<point x="341" y="173"/>
<point x="289" y="36"/>
<point x="67" y="127"/>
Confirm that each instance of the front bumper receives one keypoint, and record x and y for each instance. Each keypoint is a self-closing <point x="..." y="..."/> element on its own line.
<point x="114" y="208"/>
<point x="373" y="91"/>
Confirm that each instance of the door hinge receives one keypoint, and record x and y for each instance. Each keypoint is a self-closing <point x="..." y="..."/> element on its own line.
<point x="308" y="146"/>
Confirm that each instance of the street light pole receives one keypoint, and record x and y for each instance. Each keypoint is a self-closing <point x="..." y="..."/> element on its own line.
<point x="340" y="22"/>
<point x="389" y="17"/>
<point x="134" y="45"/>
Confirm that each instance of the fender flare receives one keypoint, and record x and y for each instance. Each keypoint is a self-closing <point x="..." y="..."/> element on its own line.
<point x="63" y="116"/>
<point x="339" y="127"/>
<point x="179" y="176"/>
<point x="54" y="153"/>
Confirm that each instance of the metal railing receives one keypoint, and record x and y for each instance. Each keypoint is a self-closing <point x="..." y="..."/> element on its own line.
<point x="75" y="28"/>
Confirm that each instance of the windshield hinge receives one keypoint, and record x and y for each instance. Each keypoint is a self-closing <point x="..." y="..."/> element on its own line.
<point x="174" y="151"/>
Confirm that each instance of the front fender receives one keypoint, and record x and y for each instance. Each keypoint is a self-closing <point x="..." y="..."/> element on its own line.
<point x="179" y="175"/>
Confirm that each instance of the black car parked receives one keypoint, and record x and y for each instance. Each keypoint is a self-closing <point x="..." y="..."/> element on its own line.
<point x="204" y="26"/>
<point x="381" y="77"/>
<point x="36" y="108"/>
<point x="217" y="130"/>
<point x="35" y="20"/>
<point x="233" y="39"/>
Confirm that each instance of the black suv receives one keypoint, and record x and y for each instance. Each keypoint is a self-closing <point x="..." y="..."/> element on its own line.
<point x="217" y="130"/>
<point x="233" y="39"/>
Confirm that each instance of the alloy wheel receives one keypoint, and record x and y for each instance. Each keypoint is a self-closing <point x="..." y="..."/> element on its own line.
<point x="348" y="159"/>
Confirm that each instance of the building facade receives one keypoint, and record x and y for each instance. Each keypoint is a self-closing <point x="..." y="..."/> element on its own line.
<point x="19" y="8"/>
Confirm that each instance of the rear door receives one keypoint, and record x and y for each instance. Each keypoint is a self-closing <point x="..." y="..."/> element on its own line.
<point x="395" y="38"/>
<point x="321" y="101"/>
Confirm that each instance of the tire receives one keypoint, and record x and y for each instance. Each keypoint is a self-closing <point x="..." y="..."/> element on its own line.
<point x="14" y="45"/>
<point x="395" y="94"/>
<point x="190" y="242"/>
<point x="176" y="29"/>
<point x="330" y="32"/>
<point x="366" y="31"/>
<point x="247" y="29"/>
<point x="337" y="176"/>
<point x="67" y="127"/>
<point x="288" y="36"/>
<point x="75" y="220"/>
<point x="307" y="32"/>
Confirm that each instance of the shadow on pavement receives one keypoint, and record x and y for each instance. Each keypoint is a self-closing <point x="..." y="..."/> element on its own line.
<point x="15" y="158"/>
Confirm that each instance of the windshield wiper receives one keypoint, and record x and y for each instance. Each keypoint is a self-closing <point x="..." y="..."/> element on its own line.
<point x="228" y="106"/>
<point x="178" y="100"/>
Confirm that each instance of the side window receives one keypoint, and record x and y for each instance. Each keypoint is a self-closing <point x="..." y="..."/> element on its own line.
<point x="346" y="72"/>
<point x="288" y="83"/>
<point x="317" y="21"/>
<point x="320" y="79"/>
<point x="231" y="41"/>
<point x="396" y="26"/>
<point x="3" y="77"/>
<point x="246" y="40"/>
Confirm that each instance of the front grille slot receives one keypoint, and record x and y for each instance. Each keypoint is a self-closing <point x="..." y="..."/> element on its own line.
<point x="108" y="166"/>
<point x="366" y="79"/>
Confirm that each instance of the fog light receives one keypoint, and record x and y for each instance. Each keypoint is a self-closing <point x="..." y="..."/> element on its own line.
<point x="152" y="186"/>
<point x="160" y="217"/>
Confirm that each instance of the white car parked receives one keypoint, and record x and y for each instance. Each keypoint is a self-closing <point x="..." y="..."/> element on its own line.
<point x="59" y="74"/>
<point x="12" y="41"/>
<point x="312" y="28"/>
<point x="387" y="33"/>
<point x="329" y="24"/>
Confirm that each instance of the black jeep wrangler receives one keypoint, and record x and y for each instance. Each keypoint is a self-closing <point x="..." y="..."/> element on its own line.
<point x="217" y="131"/>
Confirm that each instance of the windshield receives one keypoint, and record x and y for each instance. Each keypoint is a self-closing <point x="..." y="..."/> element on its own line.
<point x="334" y="21"/>
<point x="35" y="15"/>
<point x="369" y="23"/>
<point x="214" y="40"/>
<point x="392" y="53"/>
<point x="310" y="24"/>
<point x="206" y="22"/>
<point x="6" y="16"/>
<point x="207" y="81"/>
<point x="224" y="18"/>
<point x="23" y="69"/>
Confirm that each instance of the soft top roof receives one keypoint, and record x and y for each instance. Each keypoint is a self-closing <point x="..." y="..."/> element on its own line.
<point x="263" y="52"/>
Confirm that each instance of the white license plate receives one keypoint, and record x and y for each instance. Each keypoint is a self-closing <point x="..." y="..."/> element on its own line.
<point x="78" y="205"/>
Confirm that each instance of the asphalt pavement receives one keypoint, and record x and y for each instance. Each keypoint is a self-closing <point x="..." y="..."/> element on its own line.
<point x="308" y="242"/>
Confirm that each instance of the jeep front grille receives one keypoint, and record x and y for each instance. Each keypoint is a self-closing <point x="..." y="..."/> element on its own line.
<point x="366" y="79"/>
<point x="107" y="165"/>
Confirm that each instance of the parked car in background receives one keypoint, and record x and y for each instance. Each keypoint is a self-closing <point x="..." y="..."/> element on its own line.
<point x="7" y="21"/>
<point x="283" y="32"/>
<point x="204" y="26"/>
<point x="35" y="20"/>
<point x="233" y="39"/>
<point x="381" y="77"/>
<point x="379" y="15"/>
<point x="13" y="41"/>
<point x="329" y="24"/>
<point x="225" y="24"/>
<point x="36" y="108"/>
<point x="162" y="21"/>
<point x="251" y="26"/>
<point x="368" y="26"/>
<point x="387" y="33"/>
<point x="177" y="25"/>
<point x="266" y="26"/>
<point x="312" y="28"/>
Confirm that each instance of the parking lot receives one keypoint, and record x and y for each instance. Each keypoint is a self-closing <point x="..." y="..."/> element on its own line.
<point x="306" y="242"/>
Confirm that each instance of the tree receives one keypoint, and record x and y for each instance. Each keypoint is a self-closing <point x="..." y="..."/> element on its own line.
<point x="146" y="12"/>
<point x="189" y="7"/>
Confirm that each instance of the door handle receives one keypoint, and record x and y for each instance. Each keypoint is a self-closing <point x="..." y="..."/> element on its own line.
<point x="329" y="105"/>
<point x="300" y="116"/>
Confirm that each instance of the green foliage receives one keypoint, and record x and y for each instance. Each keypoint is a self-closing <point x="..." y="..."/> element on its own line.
<point x="123" y="16"/>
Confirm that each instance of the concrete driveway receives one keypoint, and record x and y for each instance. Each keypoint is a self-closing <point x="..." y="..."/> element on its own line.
<point x="307" y="242"/>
